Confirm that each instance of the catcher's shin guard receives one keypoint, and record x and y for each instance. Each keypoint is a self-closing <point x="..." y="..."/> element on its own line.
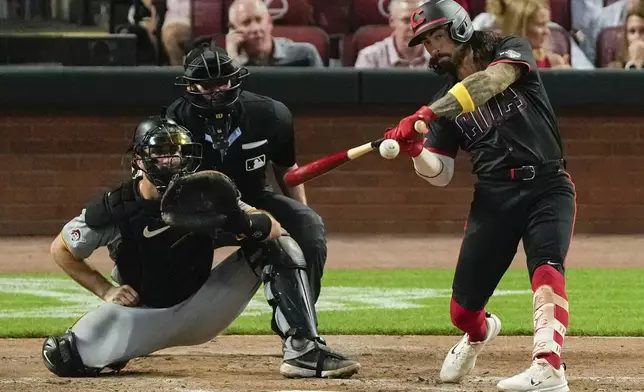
<point x="286" y="287"/>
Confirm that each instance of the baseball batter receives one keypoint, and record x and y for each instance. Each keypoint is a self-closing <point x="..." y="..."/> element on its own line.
<point x="495" y="108"/>
<point x="167" y="292"/>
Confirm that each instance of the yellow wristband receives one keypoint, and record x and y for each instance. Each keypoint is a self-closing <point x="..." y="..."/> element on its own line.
<point x="463" y="97"/>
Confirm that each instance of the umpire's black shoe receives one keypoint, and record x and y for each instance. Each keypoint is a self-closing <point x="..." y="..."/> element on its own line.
<point x="305" y="358"/>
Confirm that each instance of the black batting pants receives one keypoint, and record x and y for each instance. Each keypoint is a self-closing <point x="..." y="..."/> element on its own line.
<point x="540" y="211"/>
<point x="304" y="225"/>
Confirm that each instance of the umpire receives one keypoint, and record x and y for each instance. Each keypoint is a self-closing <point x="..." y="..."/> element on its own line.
<point x="242" y="134"/>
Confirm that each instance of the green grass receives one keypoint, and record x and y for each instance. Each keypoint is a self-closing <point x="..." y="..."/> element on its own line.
<point x="608" y="302"/>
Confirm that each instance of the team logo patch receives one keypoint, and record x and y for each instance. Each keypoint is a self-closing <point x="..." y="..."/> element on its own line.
<point x="513" y="54"/>
<point x="75" y="235"/>
<point x="255" y="163"/>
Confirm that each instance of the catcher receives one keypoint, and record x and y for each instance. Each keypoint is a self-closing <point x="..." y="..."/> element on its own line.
<point x="161" y="229"/>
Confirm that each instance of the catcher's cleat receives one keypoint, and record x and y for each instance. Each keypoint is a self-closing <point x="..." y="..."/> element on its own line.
<point x="305" y="358"/>
<point x="61" y="357"/>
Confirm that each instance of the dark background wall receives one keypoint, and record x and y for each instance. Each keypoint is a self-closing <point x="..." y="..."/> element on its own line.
<point x="63" y="138"/>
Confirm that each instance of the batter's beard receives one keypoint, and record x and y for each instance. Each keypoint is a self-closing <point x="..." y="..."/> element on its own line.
<point x="449" y="64"/>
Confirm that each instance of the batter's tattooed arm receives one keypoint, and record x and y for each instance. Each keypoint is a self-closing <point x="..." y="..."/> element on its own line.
<point x="482" y="86"/>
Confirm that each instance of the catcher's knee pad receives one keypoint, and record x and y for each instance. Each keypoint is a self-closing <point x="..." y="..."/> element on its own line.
<point x="285" y="252"/>
<point x="287" y="289"/>
<point x="61" y="357"/>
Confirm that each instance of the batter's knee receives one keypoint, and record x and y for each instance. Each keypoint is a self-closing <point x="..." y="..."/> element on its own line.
<point x="467" y="301"/>
<point x="61" y="357"/>
<point x="533" y="264"/>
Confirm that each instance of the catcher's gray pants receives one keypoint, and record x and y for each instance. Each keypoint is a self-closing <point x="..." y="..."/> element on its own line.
<point x="114" y="333"/>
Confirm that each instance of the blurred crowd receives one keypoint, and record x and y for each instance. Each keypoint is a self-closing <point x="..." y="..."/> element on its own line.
<point x="572" y="34"/>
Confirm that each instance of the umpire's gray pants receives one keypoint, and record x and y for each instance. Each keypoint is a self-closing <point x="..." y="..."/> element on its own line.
<point x="114" y="333"/>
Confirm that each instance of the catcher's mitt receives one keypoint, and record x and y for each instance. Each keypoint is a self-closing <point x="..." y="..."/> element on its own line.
<point x="202" y="202"/>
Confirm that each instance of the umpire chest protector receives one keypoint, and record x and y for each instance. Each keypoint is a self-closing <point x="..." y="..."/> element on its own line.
<point x="164" y="265"/>
<point x="251" y="140"/>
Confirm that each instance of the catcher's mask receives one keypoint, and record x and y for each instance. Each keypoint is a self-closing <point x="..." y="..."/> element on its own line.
<point x="164" y="150"/>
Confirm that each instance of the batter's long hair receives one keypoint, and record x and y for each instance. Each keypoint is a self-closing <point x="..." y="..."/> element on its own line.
<point x="482" y="44"/>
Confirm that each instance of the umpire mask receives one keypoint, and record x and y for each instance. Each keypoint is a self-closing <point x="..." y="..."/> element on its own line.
<point x="163" y="150"/>
<point x="212" y="83"/>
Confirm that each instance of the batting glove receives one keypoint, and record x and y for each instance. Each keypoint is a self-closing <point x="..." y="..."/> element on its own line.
<point x="411" y="148"/>
<point x="405" y="129"/>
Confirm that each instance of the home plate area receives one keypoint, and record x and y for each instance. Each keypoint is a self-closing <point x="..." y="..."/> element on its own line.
<point x="389" y="363"/>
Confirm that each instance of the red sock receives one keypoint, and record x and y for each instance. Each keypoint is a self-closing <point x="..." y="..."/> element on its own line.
<point x="469" y="321"/>
<point x="550" y="314"/>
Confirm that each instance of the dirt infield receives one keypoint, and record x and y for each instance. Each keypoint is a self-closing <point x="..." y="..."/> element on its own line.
<point x="390" y="363"/>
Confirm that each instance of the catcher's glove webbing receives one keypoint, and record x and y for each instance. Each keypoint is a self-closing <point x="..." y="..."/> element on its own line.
<point x="208" y="201"/>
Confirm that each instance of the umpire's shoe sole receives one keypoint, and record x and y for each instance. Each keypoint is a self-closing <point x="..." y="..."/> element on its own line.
<point x="297" y="371"/>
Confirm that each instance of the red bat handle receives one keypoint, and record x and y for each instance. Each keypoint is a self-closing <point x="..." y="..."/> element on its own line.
<point x="324" y="165"/>
<point x="316" y="168"/>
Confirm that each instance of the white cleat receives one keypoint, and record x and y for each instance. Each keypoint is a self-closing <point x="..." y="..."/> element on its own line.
<point x="462" y="357"/>
<point x="540" y="377"/>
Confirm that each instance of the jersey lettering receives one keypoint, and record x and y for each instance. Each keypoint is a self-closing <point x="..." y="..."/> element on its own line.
<point x="476" y="124"/>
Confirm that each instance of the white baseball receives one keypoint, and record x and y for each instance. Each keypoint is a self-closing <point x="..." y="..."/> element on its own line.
<point x="389" y="149"/>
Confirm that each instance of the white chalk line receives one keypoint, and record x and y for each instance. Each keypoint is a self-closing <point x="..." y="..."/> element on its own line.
<point x="75" y="300"/>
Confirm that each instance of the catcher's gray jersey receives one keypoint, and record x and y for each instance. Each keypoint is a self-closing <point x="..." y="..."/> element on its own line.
<point x="114" y="333"/>
<point x="82" y="240"/>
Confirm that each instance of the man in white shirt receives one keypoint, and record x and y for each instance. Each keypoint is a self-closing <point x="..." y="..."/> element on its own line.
<point x="250" y="40"/>
<point x="393" y="52"/>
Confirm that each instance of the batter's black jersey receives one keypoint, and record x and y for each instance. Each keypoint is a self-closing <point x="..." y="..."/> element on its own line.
<point x="261" y="132"/>
<point x="514" y="128"/>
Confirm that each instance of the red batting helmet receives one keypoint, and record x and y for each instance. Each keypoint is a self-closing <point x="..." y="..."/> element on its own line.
<point x="436" y="13"/>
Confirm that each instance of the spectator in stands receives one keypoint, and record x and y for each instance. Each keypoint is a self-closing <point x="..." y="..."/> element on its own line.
<point x="590" y="19"/>
<point x="631" y="52"/>
<point x="393" y="52"/>
<point x="143" y="22"/>
<point x="250" y="39"/>
<point x="492" y="19"/>
<point x="176" y="31"/>
<point x="495" y="19"/>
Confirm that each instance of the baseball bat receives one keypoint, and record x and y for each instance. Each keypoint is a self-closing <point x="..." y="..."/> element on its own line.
<point x="420" y="127"/>
<point x="328" y="163"/>
<point x="325" y="164"/>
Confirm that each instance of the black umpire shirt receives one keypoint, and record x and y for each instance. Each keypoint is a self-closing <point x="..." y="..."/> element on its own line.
<point x="261" y="132"/>
<point x="514" y="128"/>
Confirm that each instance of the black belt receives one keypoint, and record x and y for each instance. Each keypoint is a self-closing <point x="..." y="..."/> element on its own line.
<point x="525" y="173"/>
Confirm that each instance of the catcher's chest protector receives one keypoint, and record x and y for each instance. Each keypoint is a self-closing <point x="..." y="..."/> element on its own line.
<point x="164" y="265"/>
